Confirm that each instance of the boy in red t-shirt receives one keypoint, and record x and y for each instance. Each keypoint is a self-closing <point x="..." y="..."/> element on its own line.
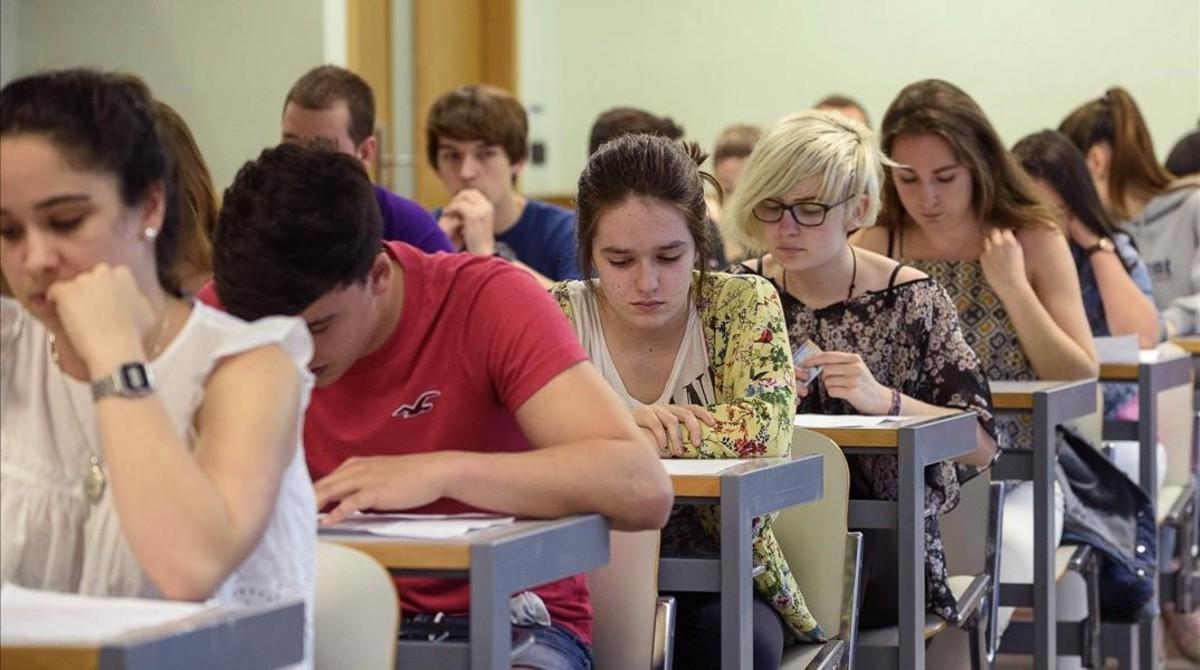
<point x="445" y="382"/>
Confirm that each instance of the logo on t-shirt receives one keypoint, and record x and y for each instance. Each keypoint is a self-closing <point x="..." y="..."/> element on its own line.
<point x="422" y="404"/>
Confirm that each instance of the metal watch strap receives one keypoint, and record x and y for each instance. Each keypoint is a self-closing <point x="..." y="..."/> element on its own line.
<point x="130" y="380"/>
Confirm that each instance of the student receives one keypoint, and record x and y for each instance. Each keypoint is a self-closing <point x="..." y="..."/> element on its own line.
<point x="477" y="138"/>
<point x="846" y="106"/>
<point x="198" y="207"/>
<point x="633" y="121"/>
<point x="887" y="334"/>
<point x="130" y="415"/>
<point x="334" y="107"/>
<point x="700" y="359"/>
<point x="1184" y="159"/>
<point x="1162" y="213"/>
<point x="446" y="383"/>
<point x="732" y="149"/>
<point x="1117" y="296"/>
<point x="959" y="208"/>
<point x="619" y="121"/>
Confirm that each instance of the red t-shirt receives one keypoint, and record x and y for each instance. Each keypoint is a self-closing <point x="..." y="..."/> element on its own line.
<point x="477" y="337"/>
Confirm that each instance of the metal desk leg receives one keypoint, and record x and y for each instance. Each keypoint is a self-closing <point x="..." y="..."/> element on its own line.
<point x="736" y="586"/>
<point x="491" y="631"/>
<point x="1045" y="613"/>
<point x="1148" y="479"/>
<point x="910" y="524"/>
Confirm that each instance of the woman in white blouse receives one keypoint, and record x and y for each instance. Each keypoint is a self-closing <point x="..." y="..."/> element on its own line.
<point x="148" y="446"/>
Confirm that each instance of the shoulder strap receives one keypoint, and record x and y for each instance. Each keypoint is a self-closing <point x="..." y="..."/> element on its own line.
<point x="895" y="273"/>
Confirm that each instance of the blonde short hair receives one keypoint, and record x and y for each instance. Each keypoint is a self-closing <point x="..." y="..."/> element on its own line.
<point x="840" y="152"/>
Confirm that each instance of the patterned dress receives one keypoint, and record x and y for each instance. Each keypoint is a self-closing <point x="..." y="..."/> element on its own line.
<point x="990" y="332"/>
<point x="908" y="337"/>
<point x="752" y="375"/>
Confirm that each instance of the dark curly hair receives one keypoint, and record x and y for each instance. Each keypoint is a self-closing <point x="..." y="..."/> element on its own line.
<point x="101" y="122"/>
<point x="296" y="223"/>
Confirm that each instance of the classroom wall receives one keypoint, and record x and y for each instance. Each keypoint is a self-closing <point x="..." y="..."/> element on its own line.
<point x="8" y="40"/>
<point x="708" y="63"/>
<point x="225" y="65"/>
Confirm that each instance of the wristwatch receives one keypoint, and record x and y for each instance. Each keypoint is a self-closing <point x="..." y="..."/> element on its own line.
<point x="131" y="380"/>
<point x="1102" y="244"/>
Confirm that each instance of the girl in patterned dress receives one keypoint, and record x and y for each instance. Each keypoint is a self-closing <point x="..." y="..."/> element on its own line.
<point x="887" y="333"/>
<point x="700" y="358"/>
<point x="959" y="207"/>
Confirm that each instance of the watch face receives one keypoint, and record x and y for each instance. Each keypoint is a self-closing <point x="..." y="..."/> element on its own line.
<point x="134" y="377"/>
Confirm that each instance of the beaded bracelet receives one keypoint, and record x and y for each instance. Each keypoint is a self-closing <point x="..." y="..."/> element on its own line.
<point x="894" y="410"/>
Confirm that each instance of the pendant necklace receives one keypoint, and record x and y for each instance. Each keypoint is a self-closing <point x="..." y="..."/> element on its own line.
<point x="94" y="479"/>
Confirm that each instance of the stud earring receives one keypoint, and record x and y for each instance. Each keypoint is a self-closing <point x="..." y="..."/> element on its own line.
<point x="150" y="233"/>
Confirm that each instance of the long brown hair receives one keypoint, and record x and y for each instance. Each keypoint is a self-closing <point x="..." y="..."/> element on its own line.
<point x="648" y="166"/>
<point x="1115" y="119"/>
<point x="1001" y="193"/>
<point x="198" y="206"/>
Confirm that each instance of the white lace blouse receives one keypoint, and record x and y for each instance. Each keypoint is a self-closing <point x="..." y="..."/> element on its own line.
<point x="54" y="538"/>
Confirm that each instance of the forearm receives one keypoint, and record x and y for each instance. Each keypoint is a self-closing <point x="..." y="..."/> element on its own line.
<point x="627" y="484"/>
<point x="160" y="491"/>
<point x="1053" y="354"/>
<point x="1127" y="310"/>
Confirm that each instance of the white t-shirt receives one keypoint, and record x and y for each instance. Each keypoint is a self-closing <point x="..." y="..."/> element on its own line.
<point x="690" y="382"/>
<point x="54" y="538"/>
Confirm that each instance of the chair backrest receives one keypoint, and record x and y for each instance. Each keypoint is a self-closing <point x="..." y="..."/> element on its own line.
<point x="356" y="612"/>
<point x="624" y="599"/>
<point x="813" y="536"/>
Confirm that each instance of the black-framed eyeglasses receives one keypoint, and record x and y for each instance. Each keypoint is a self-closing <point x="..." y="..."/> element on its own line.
<point x="807" y="213"/>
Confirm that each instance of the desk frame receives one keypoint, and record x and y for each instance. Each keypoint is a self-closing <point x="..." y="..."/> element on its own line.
<point x="268" y="636"/>
<point x="917" y="445"/>
<point x="755" y="488"/>
<point x="498" y="562"/>
<point x="1052" y="404"/>
<point x="1170" y="371"/>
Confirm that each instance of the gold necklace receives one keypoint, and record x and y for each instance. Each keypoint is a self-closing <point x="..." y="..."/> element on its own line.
<point x="94" y="479"/>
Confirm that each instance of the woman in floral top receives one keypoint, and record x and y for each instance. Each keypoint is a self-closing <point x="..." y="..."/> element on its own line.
<point x="887" y="335"/>
<point x="701" y="360"/>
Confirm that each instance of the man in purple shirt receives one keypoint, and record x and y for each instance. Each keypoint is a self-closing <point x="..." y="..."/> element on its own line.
<point x="333" y="107"/>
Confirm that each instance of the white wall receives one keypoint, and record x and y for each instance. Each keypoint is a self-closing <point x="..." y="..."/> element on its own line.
<point x="8" y="40"/>
<point x="225" y="65"/>
<point x="708" y="63"/>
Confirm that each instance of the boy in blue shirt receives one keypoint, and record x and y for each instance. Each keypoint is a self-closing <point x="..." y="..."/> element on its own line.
<point x="477" y="139"/>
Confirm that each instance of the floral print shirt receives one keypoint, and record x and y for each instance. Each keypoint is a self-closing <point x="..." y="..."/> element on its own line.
<point x="752" y="374"/>
<point x="908" y="337"/>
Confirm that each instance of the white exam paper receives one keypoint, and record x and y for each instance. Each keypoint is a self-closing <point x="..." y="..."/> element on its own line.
<point x="844" y="420"/>
<point x="29" y="616"/>
<point x="1117" y="349"/>
<point x="698" y="466"/>
<point x="419" y="526"/>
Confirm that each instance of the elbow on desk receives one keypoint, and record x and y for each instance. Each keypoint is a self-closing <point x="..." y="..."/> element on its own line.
<point x="193" y="580"/>
<point x="649" y="505"/>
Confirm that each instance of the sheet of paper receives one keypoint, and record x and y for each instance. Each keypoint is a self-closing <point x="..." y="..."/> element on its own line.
<point x="418" y="526"/>
<point x="698" y="466"/>
<point x="845" y="421"/>
<point x="29" y="616"/>
<point x="1117" y="349"/>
